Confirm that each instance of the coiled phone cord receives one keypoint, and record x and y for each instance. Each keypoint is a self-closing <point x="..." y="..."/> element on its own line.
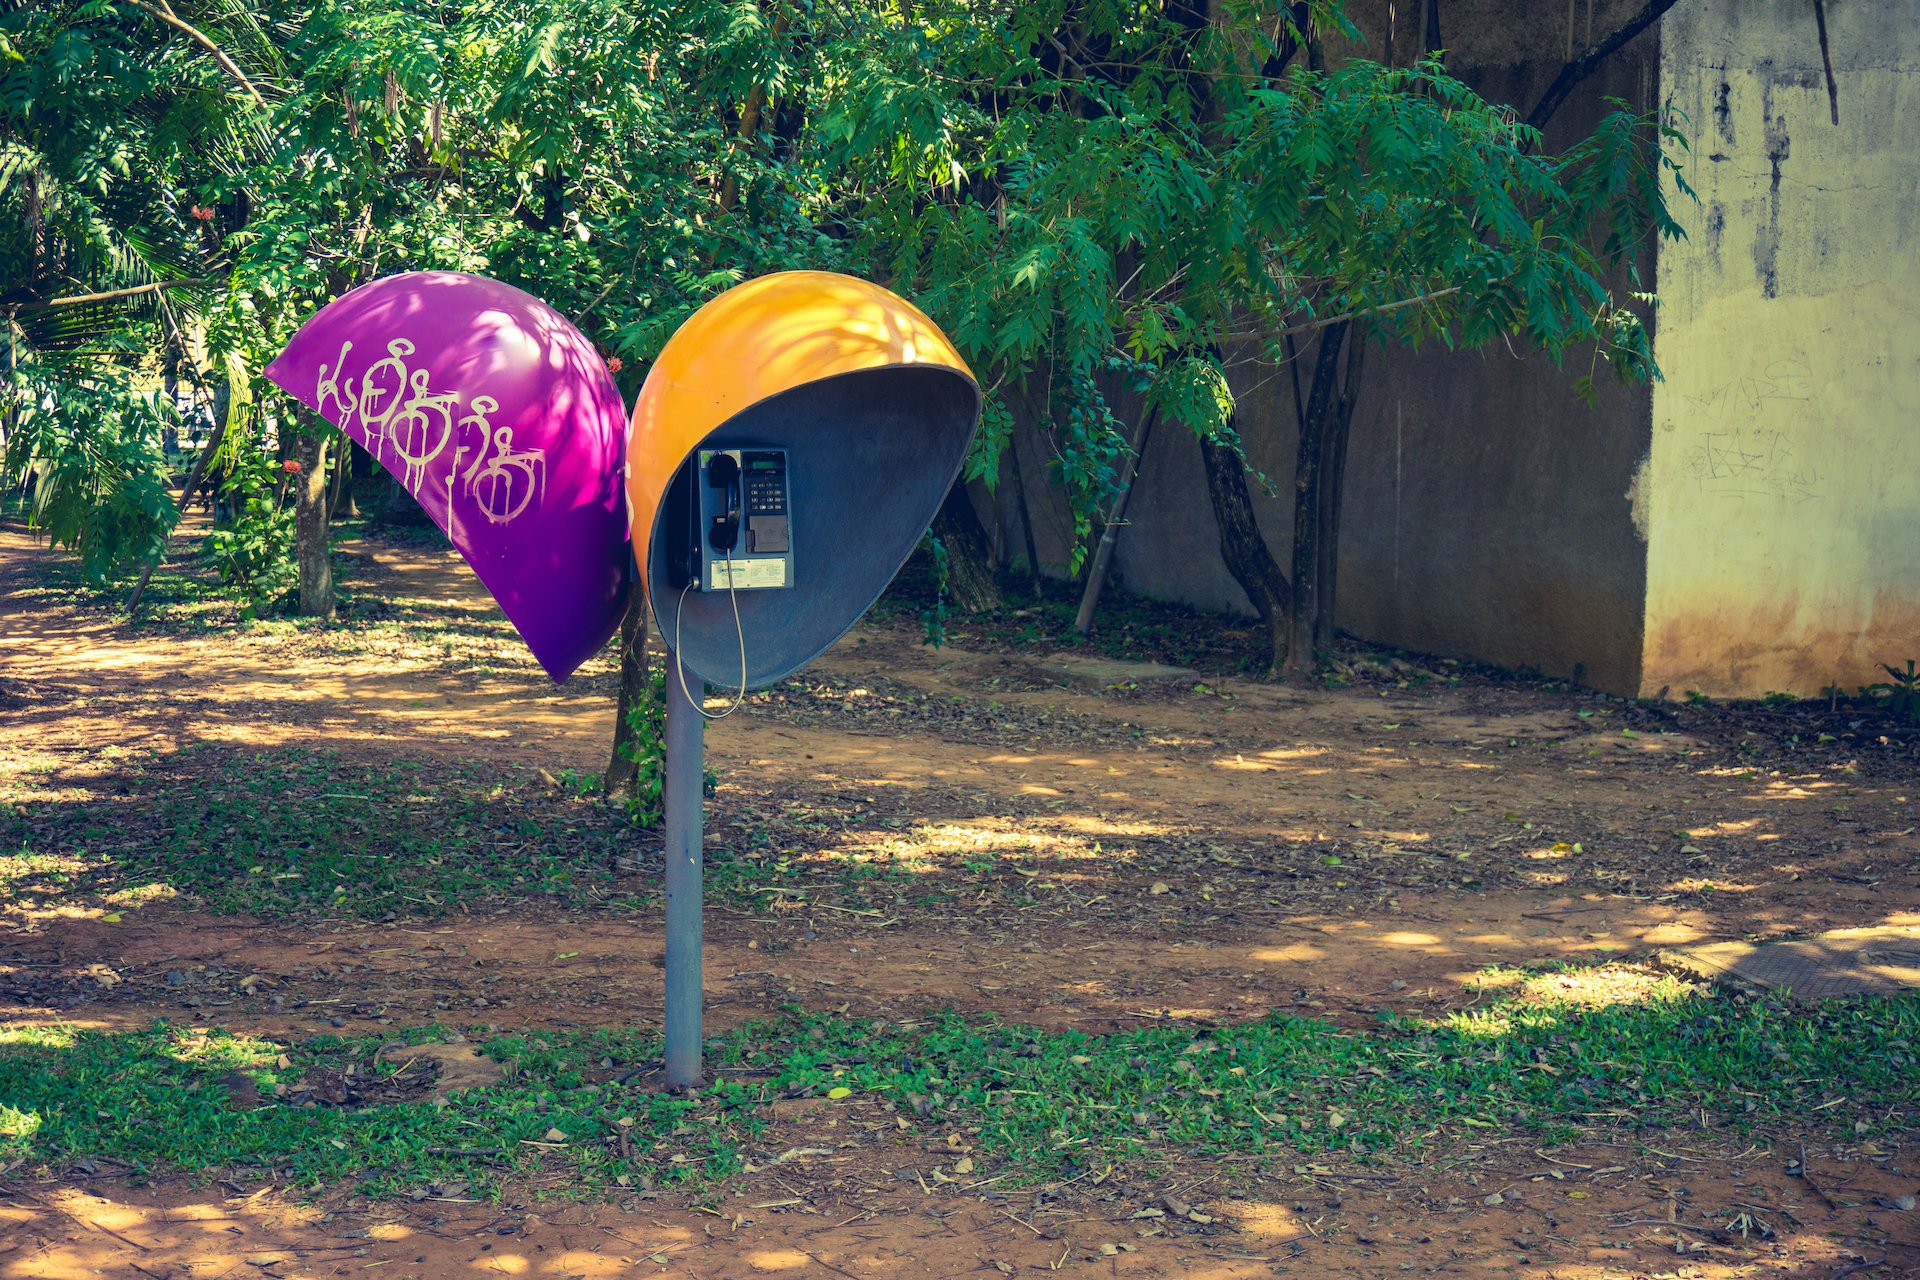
<point x="679" y="611"/>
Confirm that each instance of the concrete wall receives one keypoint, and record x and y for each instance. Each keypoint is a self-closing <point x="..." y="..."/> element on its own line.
<point x="1782" y="490"/>
<point x="1486" y="510"/>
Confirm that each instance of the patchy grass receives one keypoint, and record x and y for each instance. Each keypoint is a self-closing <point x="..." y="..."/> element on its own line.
<point x="288" y="832"/>
<point x="292" y="832"/>
<point x="568" y="1116"/>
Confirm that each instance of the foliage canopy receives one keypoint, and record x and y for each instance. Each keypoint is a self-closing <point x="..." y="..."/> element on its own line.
<point x="1091" y="197"/>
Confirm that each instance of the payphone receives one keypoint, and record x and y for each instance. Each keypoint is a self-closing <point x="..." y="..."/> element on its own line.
<point x="753" y="569"/>
<point x="734" y="507"/>
<point x="735" y="511"/>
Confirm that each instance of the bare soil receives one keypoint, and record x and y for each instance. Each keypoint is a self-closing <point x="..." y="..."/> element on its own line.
<point x="1106" y="853"/>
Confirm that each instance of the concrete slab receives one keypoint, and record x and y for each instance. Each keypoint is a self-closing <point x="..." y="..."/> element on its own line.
<point x="1114" y="670"/>
<point x="1840" y="963"/>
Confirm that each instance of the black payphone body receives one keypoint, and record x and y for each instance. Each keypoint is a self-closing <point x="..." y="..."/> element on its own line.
<point x="735" y="507"/>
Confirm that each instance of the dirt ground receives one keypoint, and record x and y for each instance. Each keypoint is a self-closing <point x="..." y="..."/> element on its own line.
<point x="1196" y="848"/>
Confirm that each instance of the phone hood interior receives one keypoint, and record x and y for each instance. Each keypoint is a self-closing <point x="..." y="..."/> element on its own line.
<point x="875" y="410"/>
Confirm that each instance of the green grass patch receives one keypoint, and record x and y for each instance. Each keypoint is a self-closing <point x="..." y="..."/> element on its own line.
<point x="1037" y="1103"/>
<point x="170" y="1097"/>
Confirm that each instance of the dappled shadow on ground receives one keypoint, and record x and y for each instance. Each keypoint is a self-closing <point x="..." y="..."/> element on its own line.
<point x="899" y="827"/>
<point x="410" y="888"/>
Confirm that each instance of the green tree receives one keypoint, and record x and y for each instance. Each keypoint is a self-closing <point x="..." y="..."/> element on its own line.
<point x="103" y="268"/>
<point x="1081" y="191"/>
<point x="1110" y="207"/>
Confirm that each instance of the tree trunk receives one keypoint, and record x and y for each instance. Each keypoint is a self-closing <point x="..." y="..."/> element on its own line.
<point x="170" y="379"/>
<point x="1429" y="24"/>
<point x="310" y="525"/>
<point x="621" y="767"/>
<point x="1339" y="429"/>
<point x="1242" y="547"/>
<point x="340" y="497"/>
<point x="400" y="507"/>
<point x="970" y="579"/>
<point x="1308" y="493"/>
<point x="1117" y="516"/>
<point x="1026" y="516"/>
<point x="222" y="414"/>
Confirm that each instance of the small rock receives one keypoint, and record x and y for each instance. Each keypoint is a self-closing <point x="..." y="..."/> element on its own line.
<point x="1904" y="1203"/>
<point x="1495" y="1198"/>
<point x="1159" y="887"/>
<point x="555" y="1135"/>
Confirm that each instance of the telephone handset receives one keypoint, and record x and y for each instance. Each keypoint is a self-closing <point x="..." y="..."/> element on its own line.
<point x="723" y="473"/>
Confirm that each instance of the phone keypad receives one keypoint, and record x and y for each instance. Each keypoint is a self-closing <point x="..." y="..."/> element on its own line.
<point x="766" y="493"/>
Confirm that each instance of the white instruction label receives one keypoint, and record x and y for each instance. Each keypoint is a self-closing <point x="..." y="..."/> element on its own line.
<point x="744" y="574"/>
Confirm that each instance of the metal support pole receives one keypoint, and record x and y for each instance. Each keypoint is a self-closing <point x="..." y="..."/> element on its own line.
<point x="684" y="795"/>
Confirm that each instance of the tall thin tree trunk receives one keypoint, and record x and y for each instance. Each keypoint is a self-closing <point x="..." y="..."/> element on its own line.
<point x="340" y="496"/>
<point x="621" y="766"/>
<point x="399" y="508"/>
<point x="1339" y="429"/>
<point x="1026" y="516"/>
<point x="310" y="524"/>
<point x="170" y="375"/>
<point x="1116" y="517"/>
<point x="970" y="579"/>
<point x="1242" y="546"/>
<point x="1307" y="494"/>
<point x="1429" y="23"/>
